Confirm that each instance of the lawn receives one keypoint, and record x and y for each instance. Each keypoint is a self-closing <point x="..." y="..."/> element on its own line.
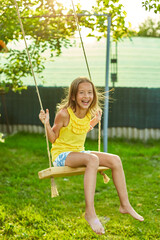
<point x="28" y="212"/>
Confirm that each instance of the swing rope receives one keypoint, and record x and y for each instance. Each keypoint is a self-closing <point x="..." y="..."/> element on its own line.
<point x="34" y="78"/>
<point x="54" y="191"/>
<point x="31" y="65"/>
<point x="78" y="28"/>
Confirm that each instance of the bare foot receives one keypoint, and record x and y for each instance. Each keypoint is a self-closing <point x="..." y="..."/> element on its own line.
<point x="95" y="224"/>
<point x="132" y="212"/>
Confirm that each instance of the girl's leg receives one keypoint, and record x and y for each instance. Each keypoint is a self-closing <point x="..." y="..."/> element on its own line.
<point x="114" y="163"/>
<point x="91" y="161"/>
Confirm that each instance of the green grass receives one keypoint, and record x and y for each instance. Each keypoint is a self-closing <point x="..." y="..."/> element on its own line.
<point x="28" y="212"/>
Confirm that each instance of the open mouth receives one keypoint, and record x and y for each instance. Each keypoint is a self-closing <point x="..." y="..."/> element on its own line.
<point x="85" y="102"/>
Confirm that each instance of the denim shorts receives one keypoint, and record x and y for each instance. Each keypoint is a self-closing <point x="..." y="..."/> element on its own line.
<point x="60" y="160"/>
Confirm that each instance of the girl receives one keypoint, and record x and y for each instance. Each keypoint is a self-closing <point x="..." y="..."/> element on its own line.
<point x="68" y="135"/>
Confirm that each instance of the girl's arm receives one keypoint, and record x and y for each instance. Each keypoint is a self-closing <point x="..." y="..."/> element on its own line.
<point x="60" y="121"/>
<point x="96" y="119"/>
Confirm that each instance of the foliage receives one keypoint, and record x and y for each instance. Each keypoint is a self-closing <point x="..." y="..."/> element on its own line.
<point x="151" y="5"/>
<point x="43" y="33"/>
<point x="54" y="31"/>
<point x="100" y="24"/>
<point x="149" y="28"/>
<point x="28" y="212"/>
<point x="17" y="66"/>
<point x="47" y="28"/>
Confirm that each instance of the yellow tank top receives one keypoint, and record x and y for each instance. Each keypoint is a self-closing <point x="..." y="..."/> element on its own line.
<point x="72" y="137"/>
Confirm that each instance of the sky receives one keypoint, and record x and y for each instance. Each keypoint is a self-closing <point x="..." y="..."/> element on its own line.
<point x="136" y="14"/>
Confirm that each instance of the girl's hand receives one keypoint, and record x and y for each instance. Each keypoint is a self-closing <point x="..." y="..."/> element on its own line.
<point x="44" y="117"/>
<point x="99" y="115"/>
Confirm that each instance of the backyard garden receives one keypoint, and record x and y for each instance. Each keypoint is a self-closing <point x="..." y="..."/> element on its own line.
<point x="50" y="53"/>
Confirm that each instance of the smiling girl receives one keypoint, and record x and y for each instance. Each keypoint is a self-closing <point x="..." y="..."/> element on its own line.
<point x="77" y="115"/>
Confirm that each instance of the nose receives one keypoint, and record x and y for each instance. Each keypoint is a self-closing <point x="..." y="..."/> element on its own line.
<point x="86" y="94"/>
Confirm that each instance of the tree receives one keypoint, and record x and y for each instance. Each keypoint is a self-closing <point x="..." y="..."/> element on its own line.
<point x="46" y="27"/>
<point x="151" y="5"/>
<point x="149" y="28"/>
<point x="43" y="33"/>
<point x="99" y="24"/>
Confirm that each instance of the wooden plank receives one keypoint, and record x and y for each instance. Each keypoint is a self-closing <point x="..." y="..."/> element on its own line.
<point x="64" y="171"/>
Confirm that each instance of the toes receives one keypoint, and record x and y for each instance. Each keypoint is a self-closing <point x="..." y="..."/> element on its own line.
<point x="100" y="230"/>
<point x="96" y="226"/>
<point x="141" y="219"/>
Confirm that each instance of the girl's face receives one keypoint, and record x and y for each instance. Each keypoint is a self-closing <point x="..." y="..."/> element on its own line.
<point x="84" y="96"/>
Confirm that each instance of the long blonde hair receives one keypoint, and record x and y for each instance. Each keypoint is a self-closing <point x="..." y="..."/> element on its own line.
<point x="72" y="93"/>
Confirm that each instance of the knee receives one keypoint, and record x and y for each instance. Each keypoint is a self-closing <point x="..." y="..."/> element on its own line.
<point x="93" y="161"/>
<point x="116" y="162"/>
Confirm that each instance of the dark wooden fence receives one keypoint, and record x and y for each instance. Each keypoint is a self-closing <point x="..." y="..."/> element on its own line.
<point x="130" y="108"/>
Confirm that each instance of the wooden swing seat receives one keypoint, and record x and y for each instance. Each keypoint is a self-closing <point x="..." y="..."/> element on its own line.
<point x="64" y="171"/>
